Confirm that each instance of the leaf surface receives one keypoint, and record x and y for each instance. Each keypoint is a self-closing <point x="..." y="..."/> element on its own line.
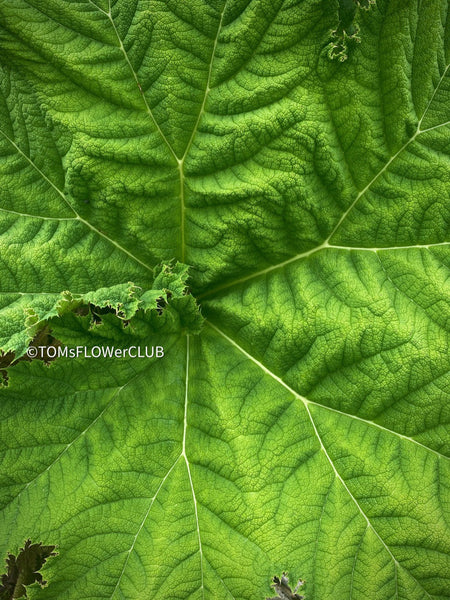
<point x="305" y="428"/>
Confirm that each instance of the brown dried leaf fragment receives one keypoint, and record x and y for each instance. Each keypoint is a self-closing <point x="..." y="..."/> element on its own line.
<point x="23" y="570"/>
<point x="283" y="589"/>
<point x="43" y="340"/>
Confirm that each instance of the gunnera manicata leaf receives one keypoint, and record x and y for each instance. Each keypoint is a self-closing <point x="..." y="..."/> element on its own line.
<point x="298" y="419"/>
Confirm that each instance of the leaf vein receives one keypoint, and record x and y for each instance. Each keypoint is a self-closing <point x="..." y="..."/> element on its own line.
<point x="307" y="404"/>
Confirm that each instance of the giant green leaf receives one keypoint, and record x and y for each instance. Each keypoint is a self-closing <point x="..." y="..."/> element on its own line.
<point x="294" y="153"/>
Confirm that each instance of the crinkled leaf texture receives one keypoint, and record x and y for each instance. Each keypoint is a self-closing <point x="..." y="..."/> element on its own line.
<point x="306" y="428"/>
<point x="25" y="314"/>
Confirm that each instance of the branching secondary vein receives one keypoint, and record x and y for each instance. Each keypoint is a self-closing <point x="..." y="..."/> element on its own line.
<point x="307" y="403"/>
<point x="78" y="437"/>
<point x="77" y="217"/>
<point x="322" y="247"/>
<point x="321" y="406"/>
<point x="327" y="242"/>
<point x="133" y="72"/>
<point x="131" y="549"/>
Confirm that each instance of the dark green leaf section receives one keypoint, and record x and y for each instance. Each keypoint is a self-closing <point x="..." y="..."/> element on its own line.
<point x="23" y="570"/>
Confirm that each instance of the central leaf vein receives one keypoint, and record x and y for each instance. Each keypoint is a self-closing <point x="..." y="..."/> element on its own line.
<point x="135" y="76"/>
<point x="194" y="132"/>
<point x="194" y="498"/>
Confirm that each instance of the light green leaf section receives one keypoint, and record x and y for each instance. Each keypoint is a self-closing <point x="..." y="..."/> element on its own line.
<point x="306" y="427"/>
<point x="373" y="343"/>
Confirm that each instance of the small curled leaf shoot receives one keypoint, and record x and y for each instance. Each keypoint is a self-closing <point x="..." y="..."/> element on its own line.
<point x="365" y="4"/>
<point x="346" y="33"/>
<point x="338" y="48"/>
